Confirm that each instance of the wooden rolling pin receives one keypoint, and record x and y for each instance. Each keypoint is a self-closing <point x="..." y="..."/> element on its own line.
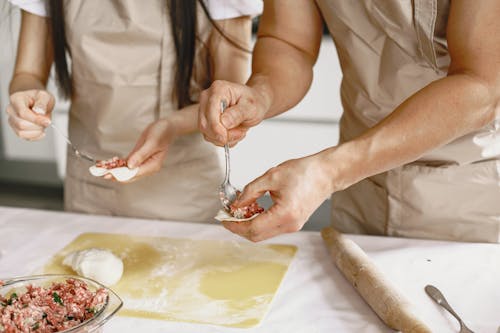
<point x="394" y="310"/>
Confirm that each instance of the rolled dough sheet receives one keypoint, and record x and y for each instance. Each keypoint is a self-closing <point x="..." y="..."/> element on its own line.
<point x="203" y="281"/>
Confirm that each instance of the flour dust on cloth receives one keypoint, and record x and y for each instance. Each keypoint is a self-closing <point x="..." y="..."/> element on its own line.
<point x="389" y="50"/>
<point x="212" y="282"/>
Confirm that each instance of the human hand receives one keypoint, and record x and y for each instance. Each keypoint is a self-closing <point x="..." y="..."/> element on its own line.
<point x="297" y="188"/>
<point x="150" y="150"/>
<point x="29" y="113"/>
<point x="246" y="107"/>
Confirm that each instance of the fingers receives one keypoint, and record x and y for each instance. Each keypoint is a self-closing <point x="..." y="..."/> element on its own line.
<point x="242" y="112"/>
<point x="21" y="103"/>
<point x="256" y="189"/>
<point x="31" y="135"/>
<point x="210" y="110"/>
<point x="141" y="152"/>
<point x="23" y="128"/>
<point x="151" y="166"/>
<point x="274" y="222"/>
<point x="20" y="124"/>
<point x="232" y="117"/>
<point x="236" y="135"/>
<point x="43" y="103"/>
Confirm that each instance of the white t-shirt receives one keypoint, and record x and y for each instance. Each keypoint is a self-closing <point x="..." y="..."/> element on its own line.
<point x="218" y="9"/>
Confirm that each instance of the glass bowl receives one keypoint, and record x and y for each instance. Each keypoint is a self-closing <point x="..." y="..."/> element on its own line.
<point x="110" y="308"/>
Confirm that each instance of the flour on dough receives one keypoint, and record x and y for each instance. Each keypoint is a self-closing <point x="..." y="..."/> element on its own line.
<point x="97" y="264"/>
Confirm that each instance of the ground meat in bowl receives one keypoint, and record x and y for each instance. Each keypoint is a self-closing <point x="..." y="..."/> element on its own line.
<point x="55" y="308"/>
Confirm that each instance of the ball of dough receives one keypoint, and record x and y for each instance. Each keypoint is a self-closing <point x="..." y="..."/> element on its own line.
<point x="97" y="264"/>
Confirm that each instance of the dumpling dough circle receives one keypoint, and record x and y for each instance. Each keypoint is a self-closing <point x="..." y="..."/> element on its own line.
<point x="222" y="215"/>
<point x="122" y="174"/>
<point x="97" y="264"/>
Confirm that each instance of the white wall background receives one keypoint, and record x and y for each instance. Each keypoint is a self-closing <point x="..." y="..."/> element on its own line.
<point x="309" y="127"/>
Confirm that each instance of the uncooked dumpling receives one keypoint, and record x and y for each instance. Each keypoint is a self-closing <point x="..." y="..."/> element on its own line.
<point x="240" y="214"/>
<point x="97" y="264"/>
<point x="121" y="174"/>
<point x="115" y="166"/>
<point x="222" y="215"/>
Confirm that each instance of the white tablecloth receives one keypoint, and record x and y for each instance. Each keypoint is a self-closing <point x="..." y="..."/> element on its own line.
<point x="314" y="296"/>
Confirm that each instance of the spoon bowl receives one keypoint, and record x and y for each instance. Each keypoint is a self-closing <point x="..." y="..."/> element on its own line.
<point x="438" y="297"/>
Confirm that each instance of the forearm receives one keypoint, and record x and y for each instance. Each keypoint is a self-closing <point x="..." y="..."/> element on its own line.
<point x="434" y="116"/>
<point x="285" y="53"/>
<point x="34" y="54"/>
<point x="184" y="121"/>
<point x="230" y="58"/>
<point x="281" y="74"/>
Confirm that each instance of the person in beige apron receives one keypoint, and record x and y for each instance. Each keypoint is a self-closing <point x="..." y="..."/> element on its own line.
<point x="122" y="71"/>
<point x="418" y="153"/>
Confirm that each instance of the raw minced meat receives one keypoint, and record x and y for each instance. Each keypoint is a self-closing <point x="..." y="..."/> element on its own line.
<point x="247" y="211"/>
<point x="112" y="163"/>
<point x="244" y="212"/>
<point x="53" y="309"/>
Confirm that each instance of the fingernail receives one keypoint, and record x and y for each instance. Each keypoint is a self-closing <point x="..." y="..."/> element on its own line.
<point x="220" y="138"/>
<point x="47" y="122"/>
<point x="131" y="164"/>
<point x="38" y="109"/>
<point x="226" y="122"/>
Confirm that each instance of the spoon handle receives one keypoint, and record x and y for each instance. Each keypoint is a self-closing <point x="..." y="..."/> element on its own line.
<point x="75" y="150"/>
<point x="223" y="106"/>
<point x="58" y="131"/>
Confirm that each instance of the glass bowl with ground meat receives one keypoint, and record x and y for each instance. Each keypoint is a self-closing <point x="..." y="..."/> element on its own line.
<point x="55" y="303"/>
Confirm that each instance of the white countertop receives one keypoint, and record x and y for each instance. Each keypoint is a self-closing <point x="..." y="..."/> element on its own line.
<point x="314" y="296"/>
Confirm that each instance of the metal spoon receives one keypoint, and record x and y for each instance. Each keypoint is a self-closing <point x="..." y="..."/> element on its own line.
<point x="73" y="147"/>
<point x="438" y="297"/>
<point x="78" y="153"/>
<point x="227" y="192"/>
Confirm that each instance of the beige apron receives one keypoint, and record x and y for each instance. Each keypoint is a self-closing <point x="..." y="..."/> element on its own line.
<point x="123" y="62"/>
<point x="388" y="50"/>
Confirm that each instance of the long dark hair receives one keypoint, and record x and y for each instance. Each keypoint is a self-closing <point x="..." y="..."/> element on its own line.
<point x="183" y="20"/>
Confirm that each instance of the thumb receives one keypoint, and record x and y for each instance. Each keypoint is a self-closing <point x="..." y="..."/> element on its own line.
<point x="151" y="165"/>
<point x="43" y="103"/>
<point x="253" y="191"/>
<point x="232" y="117"/>
<point x="143" y="150"/>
